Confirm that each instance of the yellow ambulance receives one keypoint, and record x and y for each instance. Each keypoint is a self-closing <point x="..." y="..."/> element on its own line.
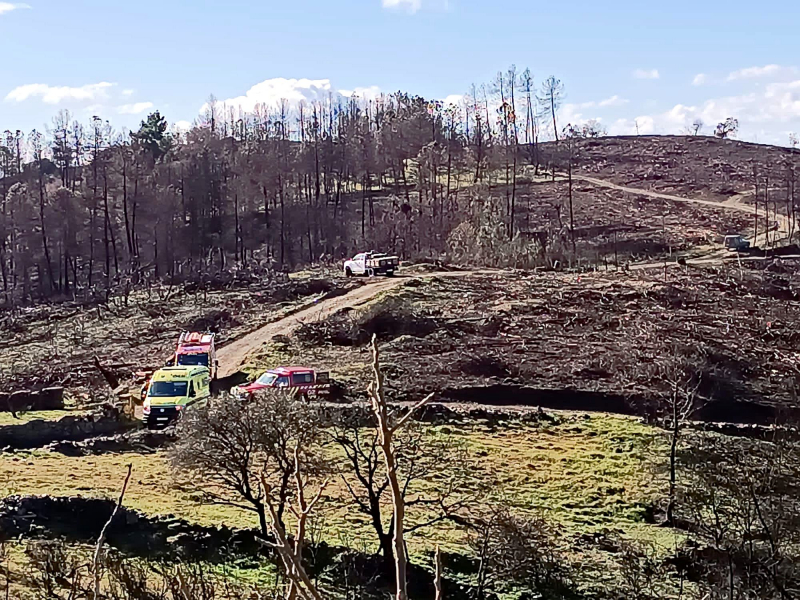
<point x="171" y="391"/>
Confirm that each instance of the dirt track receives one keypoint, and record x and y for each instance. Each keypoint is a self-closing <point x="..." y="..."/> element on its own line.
<point x="735" y="203"/>
<point x="233" y="355"/>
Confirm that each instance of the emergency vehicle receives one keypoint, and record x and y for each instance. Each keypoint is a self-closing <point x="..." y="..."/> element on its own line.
<point x="196" y="349"/>
<point x="304" y="381"/>
<point x="171" y="391"/>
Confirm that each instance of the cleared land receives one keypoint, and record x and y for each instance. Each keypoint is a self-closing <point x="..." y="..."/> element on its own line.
<point x="599" y="342"/>
<point x="56" y="344"/>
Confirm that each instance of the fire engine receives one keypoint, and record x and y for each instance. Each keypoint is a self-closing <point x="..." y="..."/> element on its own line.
<point x="196" y="349"/>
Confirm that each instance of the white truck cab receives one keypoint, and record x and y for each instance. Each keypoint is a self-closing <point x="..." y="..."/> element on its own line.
<point x="371" y="263"/>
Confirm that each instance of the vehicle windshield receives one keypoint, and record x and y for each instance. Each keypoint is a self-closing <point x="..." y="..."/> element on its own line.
<point x="190" y="360"/>
<point x="267" y="379"/>
<point x="168" y="389"/>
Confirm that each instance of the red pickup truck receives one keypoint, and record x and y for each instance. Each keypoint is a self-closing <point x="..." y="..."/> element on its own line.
<point x="308" y="382"/>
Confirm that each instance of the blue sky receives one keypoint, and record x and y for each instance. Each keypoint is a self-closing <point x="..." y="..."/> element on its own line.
<point x="623" y="62"/>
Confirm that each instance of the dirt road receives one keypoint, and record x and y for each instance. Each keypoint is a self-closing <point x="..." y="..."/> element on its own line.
<point x="735" y="203"/>
<point x="232" y="356"/>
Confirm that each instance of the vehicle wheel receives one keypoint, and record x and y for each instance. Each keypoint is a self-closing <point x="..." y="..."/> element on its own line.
<point x="370" y="273"/>
<point x="390" y="273"/>
<point x="348" y="272"/>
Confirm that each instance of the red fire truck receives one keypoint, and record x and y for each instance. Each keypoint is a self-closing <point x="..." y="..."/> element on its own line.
<point x="196" y="349"/>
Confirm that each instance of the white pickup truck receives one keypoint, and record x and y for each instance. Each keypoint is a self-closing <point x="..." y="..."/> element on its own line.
<point x="370" y="264"/>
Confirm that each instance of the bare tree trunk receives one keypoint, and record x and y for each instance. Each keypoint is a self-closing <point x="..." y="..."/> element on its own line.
<point x="755" y="212"/>
<point x="553" y="111"/>
<point x="128" y="237"/>
<point x="512" y="216"/>
<point x="673" y="459"/>
<point x="386" y="432"/>
<point x="45" y="244"/>
<point x="766" y="212"/>
<point x="571" y="213"/>
<point x="283" y="220"/>
<point x="135" y="204"/>
<point x="291" y="555"/>
<point x="437" y="582"/>
<point x="364" y="209"/>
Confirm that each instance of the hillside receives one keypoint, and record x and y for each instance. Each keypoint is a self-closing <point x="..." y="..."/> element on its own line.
<point x="694" y="166"/>
<point x="591" y="406"/>
<point x="273" y="195"/>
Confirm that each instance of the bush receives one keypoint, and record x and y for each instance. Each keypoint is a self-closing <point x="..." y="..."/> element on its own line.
<point x="387" y="319"/>
<point x="487" y="243"/>
<point x="485" y="366"/>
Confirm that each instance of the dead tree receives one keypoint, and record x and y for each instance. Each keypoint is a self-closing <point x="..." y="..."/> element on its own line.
<point x="291" y="552"/>
<point x="301" y="514"/>
<point x="98" y="551"/>
<point x="551" y="99"/>
<point x="676" y="406"/>
<point x="224" y="448"/>
<point x="742" y="504"/>
<point x="511" y="548"/>
<point x="437" y="581"/>
<point x="386" y="432"/>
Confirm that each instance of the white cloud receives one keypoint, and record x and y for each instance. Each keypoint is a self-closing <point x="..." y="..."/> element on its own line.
<point x="56" y="95"/>
<point x="365" y="93"/>
<point x="409" y="6"/>
<point x="6" y="7"/>
<point x="134" y="109"/>
<point x="181" y="126"/>
<point x="270" y="92"/>
<point x="700" y="79"/>
<point x="127" y="92"/>
<point x="646" y="74"/>
<point x="570" y="114"/>
<point x="642" y="125"/>
<point x="613" y="101"/>
<point x="94" y="109"/>
<point x="764" y="115"/>
<point x="761" y="72"/>
<point x="608" y="102"/>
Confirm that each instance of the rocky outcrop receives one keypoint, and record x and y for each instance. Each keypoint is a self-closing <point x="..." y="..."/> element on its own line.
<point x="51" y="398"/>
<point x="76" y="519"/>
<point x="140" y="441"/>
<point x="38" y="433"/>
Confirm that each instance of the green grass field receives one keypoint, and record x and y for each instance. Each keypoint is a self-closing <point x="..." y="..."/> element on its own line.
<point x="586" y="473"/>
<point x="6" y="418"/>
